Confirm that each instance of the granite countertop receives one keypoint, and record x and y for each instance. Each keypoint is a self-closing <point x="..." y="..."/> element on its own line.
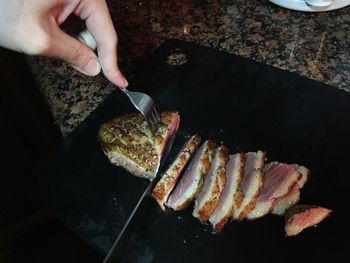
<point x="315" y="45"/>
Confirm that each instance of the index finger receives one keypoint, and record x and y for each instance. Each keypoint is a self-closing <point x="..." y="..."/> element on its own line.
<point x="100" y="25"/>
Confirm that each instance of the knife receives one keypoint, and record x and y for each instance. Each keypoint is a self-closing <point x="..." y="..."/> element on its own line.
<point x="144" y="196"/>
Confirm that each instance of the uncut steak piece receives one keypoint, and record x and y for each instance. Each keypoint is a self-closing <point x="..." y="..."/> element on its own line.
<point x="300" y="217"/>
<point x="214" y="182"/>
<point x="192" y="180"/>
<point x="168" y="181"/>
<point x="231" y="194"/>
<point x="251" y="184"/>
<point x="128" y="142"/>
<point x="283" y="203"/>
<point x="279" y="180"/>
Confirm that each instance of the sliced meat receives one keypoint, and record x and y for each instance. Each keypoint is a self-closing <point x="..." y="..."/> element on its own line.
<point x="252" y="183"/>
<point x="214" y="182"/>
<point x="192" y="180"/>
<point x="300" y="217"/>
<point x="279" y="180"/>
<point x="166" y="184"/>
<point x="283" y="203"/>
<point x="231" y="194"/>
<point x="304" y="172"/>
<point x="128" y="142"/>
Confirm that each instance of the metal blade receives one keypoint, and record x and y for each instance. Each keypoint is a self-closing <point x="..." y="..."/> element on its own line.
<point x="109" y="257"/>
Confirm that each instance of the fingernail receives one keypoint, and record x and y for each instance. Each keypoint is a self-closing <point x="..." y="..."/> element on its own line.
<point x="126" y="83"/>
<point x="122" y="82"/>
<point x="92" y="68"/>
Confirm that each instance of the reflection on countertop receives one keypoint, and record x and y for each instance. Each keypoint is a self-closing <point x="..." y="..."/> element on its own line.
<point x="315" y="45"/>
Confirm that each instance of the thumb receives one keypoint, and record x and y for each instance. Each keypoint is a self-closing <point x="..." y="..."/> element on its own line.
<point x="71" y="50"/>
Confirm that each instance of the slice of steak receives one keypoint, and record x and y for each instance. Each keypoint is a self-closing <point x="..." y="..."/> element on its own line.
<point x="251" y="184"/>
<point x="283" y="203"/>
<point x="192" y="180"/>
<point x="128" y="142"/>
<point x="300" y="217"/>
<point x="166" y="184"/>
<point x="214" y="182"/>
<point x="231" y="194"/>
<point x="279" y="180"/>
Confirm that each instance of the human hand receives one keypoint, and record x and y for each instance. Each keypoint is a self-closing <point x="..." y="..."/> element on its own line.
<point x="32" y="27"/>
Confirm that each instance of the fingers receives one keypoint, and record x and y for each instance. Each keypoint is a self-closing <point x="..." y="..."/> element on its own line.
<point x="40" y="34"/>
<point x="73" y="51"/>
<point x="108" y="59"/>
<point x="100" y="25"/>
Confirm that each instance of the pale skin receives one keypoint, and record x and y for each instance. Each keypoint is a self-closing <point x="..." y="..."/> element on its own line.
<point x="33" y="27"/>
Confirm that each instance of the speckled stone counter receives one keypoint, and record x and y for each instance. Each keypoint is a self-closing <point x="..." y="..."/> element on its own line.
<point x="315" y="45"/>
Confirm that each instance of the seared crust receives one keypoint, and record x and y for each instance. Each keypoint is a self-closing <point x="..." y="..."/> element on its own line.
<point x="220" y="218"/>
<point x="242" y="212"/>
<point x="203" y="167"/>
<point x="238" y="197"/>
<point x="206" y="164"/>
<point x="205" y="207"/>
<point x="208" y="156"/>
<point x="251" y="205"/>
<point x="205" y="212"/>
<point x="128" y="142"/>
<point x="166" y="184"/>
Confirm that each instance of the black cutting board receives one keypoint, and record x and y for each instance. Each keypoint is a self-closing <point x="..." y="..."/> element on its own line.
<point x="244" y="104"/>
